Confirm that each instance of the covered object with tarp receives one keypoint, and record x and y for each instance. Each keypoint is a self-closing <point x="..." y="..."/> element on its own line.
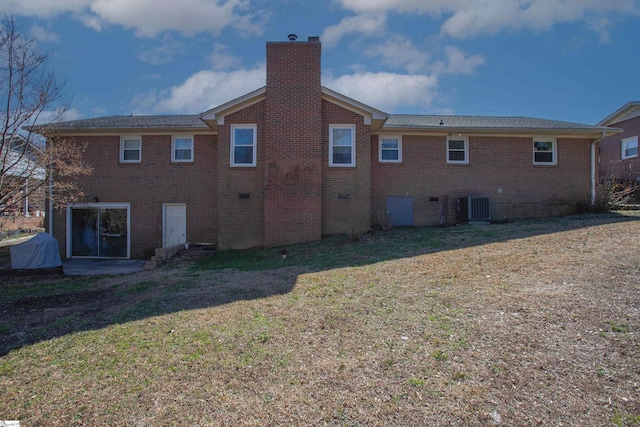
<point x="39" y="252"/>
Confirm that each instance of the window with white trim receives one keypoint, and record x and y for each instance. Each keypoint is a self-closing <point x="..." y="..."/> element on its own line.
<point x="390" y="149"/>
<point x="243" y="145"/>
<point x="629" y="147"/>
<point x="342" y="145"/>
<point x="182" y="148"/>
<point x="130" y="149"/>
<point x="458" y="150"/>
<point x="544" y="151"/>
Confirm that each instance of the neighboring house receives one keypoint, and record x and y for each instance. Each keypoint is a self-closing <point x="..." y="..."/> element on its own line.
<point x="22" y="176"/>
<point x="619" y="153"/>
<point x="294" y="161"/>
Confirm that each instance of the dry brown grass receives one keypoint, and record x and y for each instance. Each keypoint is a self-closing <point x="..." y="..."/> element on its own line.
<point x="532" y="323"/>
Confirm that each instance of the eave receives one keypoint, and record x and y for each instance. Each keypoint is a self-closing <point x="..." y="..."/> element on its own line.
<point x="372" y="116"/>
<point x="215" y="116"/>
<point x="618" y="115"/>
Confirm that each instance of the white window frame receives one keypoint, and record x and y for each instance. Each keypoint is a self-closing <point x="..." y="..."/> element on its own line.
<point x="623" y="147"/>
<point x="352" y="128"/>
<point x="122" y="149"/>
<point x="173" y="148"/>
<point x="398" y="138"/>
<point x="465" y="139"/>
<point x="233" y="144"/>
<point x="554" y="149"/>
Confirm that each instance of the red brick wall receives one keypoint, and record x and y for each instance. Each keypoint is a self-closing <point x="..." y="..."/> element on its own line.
<point x="611" y="163"/>
<point x="291" y="150"/>
<point x="241" y="220"/>
<point x="500" y="168"/>
<point x="351" y="215"/>
<point x="149" y="184"/>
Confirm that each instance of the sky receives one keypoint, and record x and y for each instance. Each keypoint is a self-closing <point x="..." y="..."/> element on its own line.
<point x="572" y="60"/>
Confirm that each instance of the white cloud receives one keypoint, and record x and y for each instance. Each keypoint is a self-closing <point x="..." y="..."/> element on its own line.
<point x="43" y="8"/>
<point x="362" y="24"/>
<point x="91" y="21"/>
<point x="399" y="52"/>
<point x="165" y="52"/>
<point x="468" y="18"/>
<point x="220" y="60"/>
<point x="200" y="92"/>
<point x="458" y="62"/>
<point x="41" y="34"/>
<point x="149" y="17"/>
<point x="601" y="27"/>
<point x="207" y="89"/>
<point x="386" y="91"/>
<point x="58" y="115"/>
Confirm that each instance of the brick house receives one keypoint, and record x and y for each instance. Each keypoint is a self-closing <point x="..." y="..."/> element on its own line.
<point x="293" y="161"/>
<point x="619" y="153"/>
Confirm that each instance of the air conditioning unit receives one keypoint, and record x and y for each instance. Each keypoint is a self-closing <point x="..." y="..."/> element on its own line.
<point x="478" y="209"/>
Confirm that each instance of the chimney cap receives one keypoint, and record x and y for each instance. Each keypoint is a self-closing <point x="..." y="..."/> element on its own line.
<point x="292" y="37"/>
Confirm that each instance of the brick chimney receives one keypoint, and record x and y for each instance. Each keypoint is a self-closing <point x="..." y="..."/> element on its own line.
<point x="293" y="142"/>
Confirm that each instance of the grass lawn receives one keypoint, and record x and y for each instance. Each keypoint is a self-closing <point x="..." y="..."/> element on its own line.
<point x="528" y="323"/>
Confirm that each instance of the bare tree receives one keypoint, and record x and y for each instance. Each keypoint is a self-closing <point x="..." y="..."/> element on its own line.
<point x="31" y="100"/>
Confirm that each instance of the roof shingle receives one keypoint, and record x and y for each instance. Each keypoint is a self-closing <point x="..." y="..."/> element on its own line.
<point x="481" y="122"/>
<point x="134" y="122"/>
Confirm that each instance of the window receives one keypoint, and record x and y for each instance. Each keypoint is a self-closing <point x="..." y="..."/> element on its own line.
<point x="130" y="149"/>
<point x="544" y="151"/>
<point x="458" y="150"/>
<point x="342" y="145"/>
<point x="629" y="147"/>
<point x="182" y="148"/>
<point x="390" y="149"/>
<point x="243" y="145"/>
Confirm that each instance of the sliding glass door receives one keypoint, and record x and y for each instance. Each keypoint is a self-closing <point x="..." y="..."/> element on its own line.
<point x="99" y="231"/>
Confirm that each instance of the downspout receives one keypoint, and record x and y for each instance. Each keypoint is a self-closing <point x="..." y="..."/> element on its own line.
<point x="26" y="198"/>
<point x="593" y="167"/>
<point x="50" y="213"/>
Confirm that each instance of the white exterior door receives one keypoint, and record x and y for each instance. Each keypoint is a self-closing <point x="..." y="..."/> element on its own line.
<point x="174" y="224"/>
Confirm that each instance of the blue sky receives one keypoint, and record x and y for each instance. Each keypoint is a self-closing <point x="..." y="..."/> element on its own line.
<point x="573" y="60"/>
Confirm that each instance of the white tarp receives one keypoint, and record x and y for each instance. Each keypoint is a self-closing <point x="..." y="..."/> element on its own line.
<point x="41" y="251"/>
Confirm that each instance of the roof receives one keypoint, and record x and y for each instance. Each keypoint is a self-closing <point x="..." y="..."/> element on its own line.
<point x="216" y="115"/>
<point x="382" y="122"/>
<point x="187" y="121"/>
<point x="487" y="123"/>
<point x="628" y="111"/>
